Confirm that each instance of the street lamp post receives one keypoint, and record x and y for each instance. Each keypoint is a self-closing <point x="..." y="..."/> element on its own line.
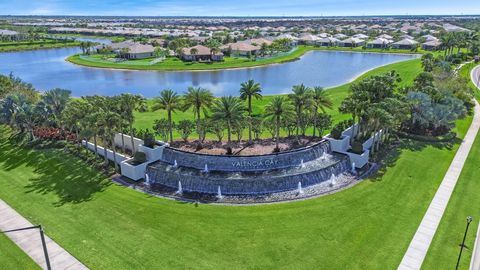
<point x="42" y="238"/>
<point x="469" y="220"/>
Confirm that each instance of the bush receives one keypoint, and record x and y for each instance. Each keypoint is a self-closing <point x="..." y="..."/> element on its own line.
<point x="148" y="139"/>
<point x="139" y="158"/>
<point x="336" y="133"/>
<point x="357" y="147"/>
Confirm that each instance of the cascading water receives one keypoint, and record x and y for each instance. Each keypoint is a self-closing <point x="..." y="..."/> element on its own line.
<point x="147" y="180"/>
<point x="333" y="180"/>
<point x="354" y="171"/>
<point x="175" y="164"/>
<point x="219" y="193"/>
<point x="302" y="165"/>
<point x="205" y="170"/>
<point x="300" y="190"/>
<point x="180" y="189"/>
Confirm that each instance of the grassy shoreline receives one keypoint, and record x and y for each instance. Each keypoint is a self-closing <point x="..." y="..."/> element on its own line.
<point x="174" y="64"/>
<point x="31" y="47"/>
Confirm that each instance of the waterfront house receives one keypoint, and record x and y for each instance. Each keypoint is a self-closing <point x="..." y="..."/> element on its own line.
<point x="200" y="53"/>
<point x="432" y="45"/>
<point x="352" y="42"/>
<point x="137" y="51"/>
<point x="240" y="49"/>
<point x="360" y="36"/>
<point x="308" y="39"/>
<point x="327" y="42"/>
<point x="405" y="44"/>
<point x="379" y="43"/>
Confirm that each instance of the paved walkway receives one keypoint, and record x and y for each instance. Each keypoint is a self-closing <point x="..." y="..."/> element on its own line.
<point x="29" y="241"/>
<point x="475" y="262"/>
<point x="417" y="250"/>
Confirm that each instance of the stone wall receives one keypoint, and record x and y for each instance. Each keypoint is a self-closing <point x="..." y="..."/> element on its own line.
<point x="246" y="183"/>
<point x="245" y="163"/>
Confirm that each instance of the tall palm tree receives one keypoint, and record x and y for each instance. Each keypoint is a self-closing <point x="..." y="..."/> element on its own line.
<point x="277" y="110"/>
<point x="230" y="110"/>
<point x="320" y="101"/>
<point x="169" y="101"/>
<point x="301" y="99"/>
<point x="199" y="99"/>
<point x="248" y="90"/>
<point x="129" y="103"/>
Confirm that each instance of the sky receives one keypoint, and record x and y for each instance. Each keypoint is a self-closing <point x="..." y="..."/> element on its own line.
<point x="239" y="8"/>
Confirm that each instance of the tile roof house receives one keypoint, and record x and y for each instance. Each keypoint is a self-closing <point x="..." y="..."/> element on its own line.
<point x="200" y="53"/>
<point x="328" y="41"/>
<point x="308" y="39"/>
<point x="351" y="42"/>
<point x="240" y="48"/>
<point x="137" y="51"/>
<point x="405" y="44"/>
<point x="432" y="45"/>
<point x="379" y="43"/>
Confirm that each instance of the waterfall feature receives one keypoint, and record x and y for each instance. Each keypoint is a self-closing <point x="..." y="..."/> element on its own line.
<point x="219" y="193"/>
<point x="180" y="189"/>
<point x="300" y="190"/>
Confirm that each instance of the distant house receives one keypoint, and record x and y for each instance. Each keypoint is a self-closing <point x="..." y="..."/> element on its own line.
<point x="340" y="36"/>
<point x="293" y="40"/>
<point x="429" y="38"/>
<point x="200" y="53"/>
<point x="385" y="36"/>
<point x="137" y="51"/>
<point x="379" y="43"/>
<point x="240" y="49"/>
<point x="432" y="45"/>
<point x="405" y="44"/>
<point x="327" y="42"/>
<point x="308" y="39"/>
<point x="352" y="42"/>
<point x="360" y="36"/>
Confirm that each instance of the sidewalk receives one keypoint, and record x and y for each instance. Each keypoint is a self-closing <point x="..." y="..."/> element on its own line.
<point x="29" y="241"/>
<point x="417" y="250"/>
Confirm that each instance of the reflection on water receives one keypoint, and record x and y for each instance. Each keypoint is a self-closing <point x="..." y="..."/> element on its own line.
<point x="47" y="69"/>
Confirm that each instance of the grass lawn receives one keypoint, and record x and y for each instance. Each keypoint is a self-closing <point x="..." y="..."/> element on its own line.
<point x="12" y="257"/>
<point x="408" y="70"/>
<point x="108" y="226"/>
<point x="464" y="202"/>
<point x="36" y="45"/>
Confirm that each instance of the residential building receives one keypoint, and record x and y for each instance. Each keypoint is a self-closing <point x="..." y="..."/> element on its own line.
<point x="352" y="42"/>
<point x="200" y="53"/>
<point x="379" y="43"/>
<point x="405" y="44"/>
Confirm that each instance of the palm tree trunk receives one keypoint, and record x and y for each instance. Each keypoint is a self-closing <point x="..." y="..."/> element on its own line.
<point x="198" y="124"/>
<point x="114" y="153"/>
<point x="131" y="139"/>
<point x="170" y="128"/>
<point x="277" y="133"/>
<point x="228" y="132"/>
<point x="250" y="119"/>
<point x="105" y="151"/>
<point x="95" y="144"/>
<point x="123" y="141"/>
<point x="314" y="122"/>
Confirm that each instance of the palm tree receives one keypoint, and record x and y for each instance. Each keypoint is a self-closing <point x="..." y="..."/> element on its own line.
<point x="169" y="101"/>
<point x="230" y="110"/>
<point x="277" y="110"/>
<point x="56" y="100"/>
<point x="129" y="103"/>
<point x="320" y="100"/>
<point x="199" y="99"/>
<point x="301" y="99"/>
<point x="248" y="90"/>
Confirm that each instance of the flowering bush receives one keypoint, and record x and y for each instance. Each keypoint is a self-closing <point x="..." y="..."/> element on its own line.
<point x="50" y="133"/>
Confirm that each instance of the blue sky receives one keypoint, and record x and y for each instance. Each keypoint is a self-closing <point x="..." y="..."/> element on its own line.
<point x="238" y="8"/>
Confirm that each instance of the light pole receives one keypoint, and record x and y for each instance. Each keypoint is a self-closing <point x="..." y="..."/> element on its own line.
<point x="469" y="220"/>
<point x="42" y="237"/>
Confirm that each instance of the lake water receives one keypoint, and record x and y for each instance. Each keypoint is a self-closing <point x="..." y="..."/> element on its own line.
<point x="47" y="69"/>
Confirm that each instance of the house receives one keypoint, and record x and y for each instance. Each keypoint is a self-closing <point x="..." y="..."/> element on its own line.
<point x="405" y="44"/>
<point x="432" y="45"/>
<point x="200" y="53"/>
<point x="379" y="43"/>
<point x="327" y="42"/>
<point x="137" y="51"/>
<point x="340" y="36"/>
<point x="258" y="41"/>
<point x="293" y="40"/>
<point x="385" y="36"/>
<point x="429" y="38"/>
<point x="352" y="42"/>
<point x="360" y="36"/>
<point x="308" y="39"/>
<point x="240" y="49"/>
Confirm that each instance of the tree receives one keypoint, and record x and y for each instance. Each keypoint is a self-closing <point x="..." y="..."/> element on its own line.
<point x="185" y="127"/>
<point x="160" y="126"/>
<point x="248" y="90"/>
<point x="171" y="102"/>
<point x="320" y="101"/>
<point x="279" y="108"/>
<point x="198" y="99"/>
<point x="127" y="105"/>
<point x="301" y="99"/>
<point x="230" y="110"/>
<point x="323" y="122"/>
<point x="56" y="100"/>
<point x="428" y="62"/>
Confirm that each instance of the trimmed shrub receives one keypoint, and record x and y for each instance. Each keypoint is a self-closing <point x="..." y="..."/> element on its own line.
<point x="139" y="158"/>
<point x="357" y="147"/>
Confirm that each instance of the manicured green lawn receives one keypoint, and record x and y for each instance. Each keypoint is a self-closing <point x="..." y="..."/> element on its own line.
<point x="464" y="202"/>
<point x="408" y="70"/>
<point x="108" y="226"/>
<point x="12" y="257"/>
